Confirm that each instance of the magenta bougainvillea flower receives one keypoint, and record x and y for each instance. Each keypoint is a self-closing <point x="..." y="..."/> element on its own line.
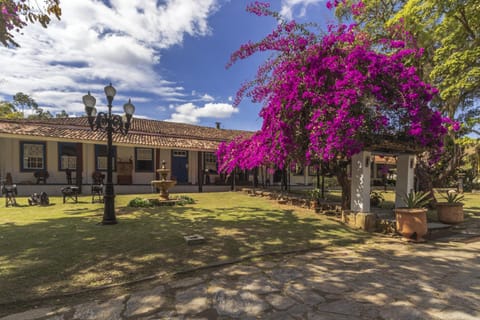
<point x="328" y="96"/>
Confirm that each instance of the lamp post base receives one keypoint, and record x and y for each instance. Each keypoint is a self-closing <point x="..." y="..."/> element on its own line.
<point x="109" y="203"/>
<point x="109" y="222"/>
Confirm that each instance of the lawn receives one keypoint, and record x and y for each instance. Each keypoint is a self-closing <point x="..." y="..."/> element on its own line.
<point x="61" y="248"/>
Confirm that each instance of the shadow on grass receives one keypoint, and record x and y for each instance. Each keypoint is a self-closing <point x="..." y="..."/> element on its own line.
<point x="72" y="253"/>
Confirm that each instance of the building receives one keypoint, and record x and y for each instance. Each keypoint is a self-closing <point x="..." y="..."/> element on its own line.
<point x="47" y="152"/>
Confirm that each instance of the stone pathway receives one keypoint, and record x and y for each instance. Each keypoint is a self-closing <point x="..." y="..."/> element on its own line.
<point x="385" y="279"/>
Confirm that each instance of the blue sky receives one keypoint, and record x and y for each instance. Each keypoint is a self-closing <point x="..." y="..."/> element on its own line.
<point x="168" y="56"/>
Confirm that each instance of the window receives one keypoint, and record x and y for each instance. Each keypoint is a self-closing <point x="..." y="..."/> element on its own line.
<point x="210" y="161"/>
<point x="210" y="158"/>
<point x="67" y="156"/>
<point x="143" y="159"/>
<point x="179" y="153"/>
<point x="32" y="156"/>
<point x="101" y="157"/>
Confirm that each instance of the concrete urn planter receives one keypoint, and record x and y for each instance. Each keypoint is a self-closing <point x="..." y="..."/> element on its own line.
<point x="451" y="213"/>
<point x="411" y="223"/>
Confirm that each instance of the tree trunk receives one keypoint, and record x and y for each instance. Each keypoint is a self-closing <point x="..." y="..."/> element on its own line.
<point x="340" y="171"/>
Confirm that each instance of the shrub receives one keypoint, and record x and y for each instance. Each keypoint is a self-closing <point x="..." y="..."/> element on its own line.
<point x="139" y="203"/>
<point x="376" y="198"/>
<point x="183" y="200"/>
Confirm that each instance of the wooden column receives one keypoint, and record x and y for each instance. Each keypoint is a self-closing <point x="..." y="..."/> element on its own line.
<point x="200" y="170"/>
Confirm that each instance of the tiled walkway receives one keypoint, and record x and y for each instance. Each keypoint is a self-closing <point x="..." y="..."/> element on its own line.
<point x="385" y="279"/>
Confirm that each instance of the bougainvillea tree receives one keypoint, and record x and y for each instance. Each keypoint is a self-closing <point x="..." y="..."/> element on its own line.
<point x="15" y="14"/>
<point x="326" y="97"/>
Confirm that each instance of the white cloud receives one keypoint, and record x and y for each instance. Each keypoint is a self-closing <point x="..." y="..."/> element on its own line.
<point x="190" y="113"/>
<point x="95" y="44"/>
<point x="288" y="7"/>
<point x="208" y="98"/>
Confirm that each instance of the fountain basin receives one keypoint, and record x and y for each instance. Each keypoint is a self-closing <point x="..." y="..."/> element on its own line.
<point x="163" y="185"/>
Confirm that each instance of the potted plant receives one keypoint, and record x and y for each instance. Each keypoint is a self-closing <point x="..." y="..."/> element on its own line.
<point x="411" y="220"/>
<point x="376" y="198"/>
<point x="451" y="211"/>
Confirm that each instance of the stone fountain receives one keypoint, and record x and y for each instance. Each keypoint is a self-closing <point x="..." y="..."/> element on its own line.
<point x="163" y="184"/>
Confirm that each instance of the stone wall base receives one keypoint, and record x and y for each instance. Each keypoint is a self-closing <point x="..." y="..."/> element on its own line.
<point x="360" y="220"/>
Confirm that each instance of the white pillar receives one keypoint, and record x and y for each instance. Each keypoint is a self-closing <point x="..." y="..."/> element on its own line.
<point x="405" y="178"/>
<point x="360" y="192"/>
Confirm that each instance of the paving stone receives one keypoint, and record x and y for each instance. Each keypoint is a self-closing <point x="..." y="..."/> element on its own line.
<point x="403" y="310"/>
<point x="192" y="301"/>
<point x="165" y="315"/>
<point x="29" y="315"/>
<point x="284" y="275"/>
<point x="318" y="315"/>
<point x="278" y="315"/>
<point x="94" y="310"/>
<point x="257" y="284"/>
<point x="350" y="308"/>
<point x="315" y="269"/>
<point x="56" y="317"/>
<point x="302" y="293"/>
<point x="186" y="282"/>
<point x="373" y="296"/>
<point x="279" y="302"/>
<point x="145" y="301"/>
<point x="299" y="311"/>
<point x="237" y="270"/>
<point x="234" y="303"/>
<point x="456" y="314"/>
<point x="326" y="284"/>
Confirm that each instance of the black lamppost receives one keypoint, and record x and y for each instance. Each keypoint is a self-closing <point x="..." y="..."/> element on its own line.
<point x="108" y="123"/>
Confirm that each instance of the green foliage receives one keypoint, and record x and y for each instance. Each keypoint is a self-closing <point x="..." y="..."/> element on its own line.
<point x="183" y="200"/>
<point x="139" y="203"/>
<point x="148" y="203"/>
<point x="416" y="199"/>
<point x="22" y="100"/>
<point x="315" y="194"/>
<point x="449" y="31"/>
<point x="453" y="197"/>
<point x="61" y="114"/>
<point x="376" y="198"/>
<point x="8" y="111"/>
<point x="15" y="15"/>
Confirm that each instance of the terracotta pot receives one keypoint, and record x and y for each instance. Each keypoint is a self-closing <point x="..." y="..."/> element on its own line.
<point x="411" y="223"/>
<point x="451" y="213"/>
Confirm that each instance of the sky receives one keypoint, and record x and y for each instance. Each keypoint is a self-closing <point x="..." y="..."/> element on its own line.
<point x="167" y="56"/>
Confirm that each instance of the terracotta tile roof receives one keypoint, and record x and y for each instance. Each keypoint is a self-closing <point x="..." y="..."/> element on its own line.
<point x="143" y="132"/>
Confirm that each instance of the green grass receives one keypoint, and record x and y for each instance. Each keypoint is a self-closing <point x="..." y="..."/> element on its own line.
<point x="61" y="248"/>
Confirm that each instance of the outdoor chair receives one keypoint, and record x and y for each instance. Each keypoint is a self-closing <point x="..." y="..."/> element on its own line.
<point x="41" y="176"/>
<point x="97" y="186"/>
<point x="68" y="174"/>
<point x="70" y="192"/>
<point x="10" y="193"/>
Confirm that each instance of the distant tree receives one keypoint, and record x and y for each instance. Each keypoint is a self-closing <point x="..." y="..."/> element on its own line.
<point x="8" y="111"/>
<point x="22" y="100"/>
<point x="61" y="114"/>
<point x="40" y="114"/>
<point x="16" y="14"/>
